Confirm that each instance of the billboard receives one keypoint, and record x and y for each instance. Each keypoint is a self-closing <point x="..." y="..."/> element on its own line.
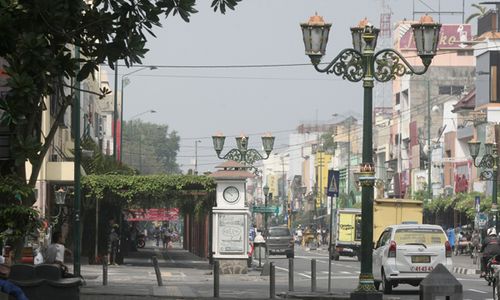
<point x="152" y="214"/>
<point x="451" y="36"/>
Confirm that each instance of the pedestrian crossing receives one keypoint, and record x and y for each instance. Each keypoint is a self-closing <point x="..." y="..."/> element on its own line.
<point x="324" y="274"/>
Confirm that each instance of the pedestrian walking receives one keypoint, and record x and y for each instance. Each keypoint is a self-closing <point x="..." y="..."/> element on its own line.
<point x="113" y="242"/>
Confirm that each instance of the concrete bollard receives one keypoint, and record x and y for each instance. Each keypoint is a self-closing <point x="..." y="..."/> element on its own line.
<point x="105" y="271"/>
<point x="290" y="274"/>
<point x="260" y="255"/>
<point x="313" y="275"/>
<point x="216" y="279"/>
<point x="440" y="282"/>
<point x="272" y="281"/>
<point x="157" y="270"/>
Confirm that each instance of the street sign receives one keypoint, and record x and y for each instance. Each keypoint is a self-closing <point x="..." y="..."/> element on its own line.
<point x="265" y="209"/>
<point x="481" y="220"/>
<point x="333" y="183"/>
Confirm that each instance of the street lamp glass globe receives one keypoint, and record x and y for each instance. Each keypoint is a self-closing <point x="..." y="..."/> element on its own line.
<point x="390" y="173"/>
<point x="266" y="190"/>
<point x="357" y="38"/>
<point x="60" y="196"/>
<point x="242" y="142"/>
<point x="268" y="144"/>
<point x="218" y="142"/>
<point x="426" y="34"/>
<point x="315" y="33"/>
<point x="488" y="147"/>
<point x="474" y="148"/>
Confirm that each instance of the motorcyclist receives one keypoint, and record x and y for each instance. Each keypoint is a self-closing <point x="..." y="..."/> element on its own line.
<point x="489" y="248"/>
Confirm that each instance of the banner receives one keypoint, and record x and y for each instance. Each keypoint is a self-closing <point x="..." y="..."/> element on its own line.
<point x="152" y="214"/>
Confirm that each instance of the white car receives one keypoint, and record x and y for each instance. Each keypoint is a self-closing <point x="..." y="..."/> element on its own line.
<point x="408" y="253"/>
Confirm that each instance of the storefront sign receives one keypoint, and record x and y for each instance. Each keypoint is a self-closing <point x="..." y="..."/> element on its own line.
<point x="152" y="214"/>
<point x="451" y="36"/>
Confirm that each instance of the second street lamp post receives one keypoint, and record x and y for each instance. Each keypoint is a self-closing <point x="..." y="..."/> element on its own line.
<point x="124" y="82"/>
<point x="489" y="164"/>
<point x="362" y="63"/>
<point x="266" y="193"/>
<point x="242" y="154"/>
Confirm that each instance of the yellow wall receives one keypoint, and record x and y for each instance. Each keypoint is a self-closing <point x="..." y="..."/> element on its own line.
<point x="321" y="163"/>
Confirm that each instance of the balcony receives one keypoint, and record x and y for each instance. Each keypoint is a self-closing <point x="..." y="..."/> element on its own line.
<point x="56" y="171"/>
<point x="465" y="132"/>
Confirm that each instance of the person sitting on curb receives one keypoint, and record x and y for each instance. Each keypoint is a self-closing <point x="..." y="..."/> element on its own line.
<point x="56" y="252"/>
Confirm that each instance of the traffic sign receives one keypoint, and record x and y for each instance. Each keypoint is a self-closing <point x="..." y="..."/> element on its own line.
<point x="333" y="183"/>
<point x="481" y="220"/>
<point x="265" y="209"/>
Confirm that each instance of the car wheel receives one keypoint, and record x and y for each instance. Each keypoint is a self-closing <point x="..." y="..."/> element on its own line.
<point x="376" y="284"/>
<point x="386" y="285"/>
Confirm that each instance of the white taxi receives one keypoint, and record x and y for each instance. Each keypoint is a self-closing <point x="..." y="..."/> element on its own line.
<point x="408" y="253"/>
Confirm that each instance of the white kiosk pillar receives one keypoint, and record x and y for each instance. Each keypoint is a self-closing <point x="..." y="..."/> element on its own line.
<point x="230" y="243"/>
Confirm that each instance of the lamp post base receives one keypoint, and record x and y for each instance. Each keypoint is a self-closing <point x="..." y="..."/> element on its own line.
<point x="366" y="289"/>
<point x="366" y="295"/>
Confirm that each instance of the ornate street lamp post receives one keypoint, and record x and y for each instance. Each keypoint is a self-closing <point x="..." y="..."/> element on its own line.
<point x="242" y="154"/>
<point x="489" y="164"/>
<point x="265" y="189"/>
<point x="362" y="63"/>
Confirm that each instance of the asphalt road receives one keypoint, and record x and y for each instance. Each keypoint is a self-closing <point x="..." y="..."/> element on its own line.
<point x="345" y="274"/>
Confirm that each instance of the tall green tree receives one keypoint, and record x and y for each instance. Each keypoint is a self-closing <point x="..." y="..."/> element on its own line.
<point x="38" y="45"/>
<point x="150" y="148"/>
<point x="37" y="60"/>
<point x="481" y="11"/>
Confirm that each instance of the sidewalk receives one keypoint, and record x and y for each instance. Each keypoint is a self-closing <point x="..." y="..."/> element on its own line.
<point x="184" y="276"/>
<point x="463" y="264"/>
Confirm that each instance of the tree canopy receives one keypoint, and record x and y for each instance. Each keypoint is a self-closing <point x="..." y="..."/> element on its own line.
<point x="47" y="46"/>
<point x="150" y="148"/>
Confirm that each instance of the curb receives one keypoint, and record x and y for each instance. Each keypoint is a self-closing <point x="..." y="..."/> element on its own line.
<point x="466" y="271"/>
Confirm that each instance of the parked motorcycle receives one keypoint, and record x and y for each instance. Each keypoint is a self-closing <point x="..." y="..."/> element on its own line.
<point x="141" y="241"/>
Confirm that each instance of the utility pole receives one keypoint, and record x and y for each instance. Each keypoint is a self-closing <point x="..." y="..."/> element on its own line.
<point x="349" y="163"/>
<point x="196" y="156"/>
<point x="429" y="151"/>
<point x="140" y="153"/>
<point x="285" y="210"/>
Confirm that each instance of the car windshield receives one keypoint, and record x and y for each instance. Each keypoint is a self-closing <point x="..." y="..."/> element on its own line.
<point x="426" y="236"/>
<point x="279" y="232"/>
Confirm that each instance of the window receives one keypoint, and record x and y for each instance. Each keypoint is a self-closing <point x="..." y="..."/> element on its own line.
<point x="455" y="90"/>
<point x="398" y="98"/>
<point x="465" y="52"/>
<point x="279" y="232"/>
<point x="420" y="236"/>
<point x="386" y="235"/>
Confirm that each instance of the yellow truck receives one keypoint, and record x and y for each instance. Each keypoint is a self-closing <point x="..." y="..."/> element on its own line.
<point x="347" y="233"/>
<point x="391" y="211"/>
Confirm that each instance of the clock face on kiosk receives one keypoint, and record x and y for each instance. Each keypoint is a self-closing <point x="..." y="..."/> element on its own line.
<point x="231" y="194"/>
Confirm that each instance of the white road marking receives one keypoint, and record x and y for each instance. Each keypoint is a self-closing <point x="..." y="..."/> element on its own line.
<point x="477" y="291"/>
<point x="311" y="257"/>
<point x="282" y="269"/>
<point x="345" y="272"/>
<point x="305" y="275"/>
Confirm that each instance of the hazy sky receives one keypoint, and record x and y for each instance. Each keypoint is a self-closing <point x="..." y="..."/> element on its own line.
<point x="199" y="102"/>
